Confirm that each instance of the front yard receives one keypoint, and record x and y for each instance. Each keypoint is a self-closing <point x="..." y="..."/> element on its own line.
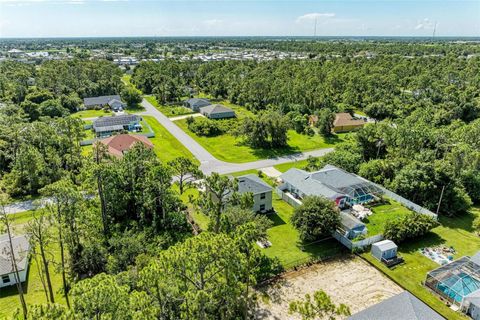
<point x="228" y="148"/>
<point x="456" y="232"/>
<point x="169" y="111"/>
<point x="92" y="113"/>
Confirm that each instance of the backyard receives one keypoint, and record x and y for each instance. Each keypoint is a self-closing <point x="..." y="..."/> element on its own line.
<point x="228" y="148"/>
<point x="382" y="213"/>
<point x="456" y="232"/>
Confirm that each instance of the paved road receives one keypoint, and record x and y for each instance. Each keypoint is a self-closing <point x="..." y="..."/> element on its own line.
<point x="208" y="163"/>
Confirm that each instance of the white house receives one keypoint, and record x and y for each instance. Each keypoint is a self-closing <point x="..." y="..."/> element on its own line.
<point x="262" y="192"/>
<point x="21" y="249"/>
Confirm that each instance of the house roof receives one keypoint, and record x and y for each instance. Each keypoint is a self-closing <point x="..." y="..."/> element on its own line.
<point x="304" y="181"/>
<point x="252" y="183"/>
<point x="120" y="120"/>
<point x="476" y="258"/>
<point x="385" y="245"/>
<point x="403" y="306"/>
<point x="120" y="143"/>
<point x="346" y="119"/>
<point x="350" y="222"/>
<point x="198" y="101"/>
<point x="100" y="101"/>
<point x="21" y="247"/>
<point x="114" y="101"/>
<point x="216" y="108"/>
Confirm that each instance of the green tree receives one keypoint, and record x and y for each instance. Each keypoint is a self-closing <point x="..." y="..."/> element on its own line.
<point x="320" y="307"/>
<point x="325" y="121"/>
<point x="409" y="227"/>
<point x="131" y="96"/>
<point x="317" y="217"/>
<point x="186" y="171"/>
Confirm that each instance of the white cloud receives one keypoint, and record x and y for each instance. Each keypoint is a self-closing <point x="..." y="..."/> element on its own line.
<point x="315" y="15"/>
<point x="425" y="24"/>
<point x="212" y="22"/>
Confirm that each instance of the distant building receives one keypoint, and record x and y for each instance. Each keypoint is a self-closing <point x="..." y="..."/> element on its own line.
<point x="121" y="143"/>
<point x="344" y="122"/>
<point x="21" y="249"/>
<point x="114" y="102"/>
<point x="196" y="103"/>
<point x="106" y="126"/>
<point x="15" y="53"/>
<point x="217" y="111"/>
<point x="262" y="192"/>
<point x="403" y="306"/>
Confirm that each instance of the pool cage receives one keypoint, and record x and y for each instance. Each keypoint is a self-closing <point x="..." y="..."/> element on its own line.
<point x="455" y="281"/>
<point x="360" y="193"/>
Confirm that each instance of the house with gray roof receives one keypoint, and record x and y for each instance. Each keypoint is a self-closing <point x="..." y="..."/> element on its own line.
<point x="113" y="101"/>
<point x="344" y="188"/>
<point x="196" y="103"/>
<point x="21" y="250"/>
<point x="262" y="192"/>
<point x="351" y="227"/>
<point x="106" y="126"/>
<point x="472" y="305"/>
<point x="403" y="306"/>
<point x="217" y="111"/>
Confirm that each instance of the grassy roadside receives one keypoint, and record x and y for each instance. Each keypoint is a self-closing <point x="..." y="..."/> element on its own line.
<point x="169" y="111"/>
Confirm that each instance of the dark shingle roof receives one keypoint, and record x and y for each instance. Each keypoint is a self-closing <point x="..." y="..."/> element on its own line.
<point x="403" y="306"/>
<point x="252" y="183"/>
<point x="201" y="102"/>
<point x="112" y="121"/>
<point x="350" y="222"/>
<point x="21" y="247"/>
<point x="216" y="108"/>
<point x="100" y="101"/>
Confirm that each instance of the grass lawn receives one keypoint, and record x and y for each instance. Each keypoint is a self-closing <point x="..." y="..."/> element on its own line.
<point x="169" y="111"/>
<point x="381" y="213"/>
<point x="166" y="146"/>
<point x="287" y="166"/>
<point x="456" y="232"/>
<point x="91" y="113"/>
<point x="126" y="79"/>
<point x="228" y="148"/>
<point x="34" y="294"/>
<point x="286" y="244"/>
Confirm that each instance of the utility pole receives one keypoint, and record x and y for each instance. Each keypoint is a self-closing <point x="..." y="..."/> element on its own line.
<point x="441" y="197"/>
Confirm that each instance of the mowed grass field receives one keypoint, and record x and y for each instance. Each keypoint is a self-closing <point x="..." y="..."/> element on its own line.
<point x="456" y="232"/>
<point x="91" y="113"/>
<point x="228" y="148"/>
<point x="383" y="213"/>
<point x="166" y="146"/>
<point x="169" y="111"/>
<point x="34" y="293"/>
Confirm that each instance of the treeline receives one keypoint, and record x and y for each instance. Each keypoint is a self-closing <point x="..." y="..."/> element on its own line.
<point x="399" y="84"/>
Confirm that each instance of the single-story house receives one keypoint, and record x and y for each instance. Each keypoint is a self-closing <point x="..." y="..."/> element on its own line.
<point x="21" y="250"/>
<point x="262" y="192"/>
<point x="344" y="122"/>
<point x="217" y="111"/>
<point x="120" y="143"/>
<point x="403" y="306"/>
<point x="472" y="305"/>
<point x="196" y="103"/>
<point x="114" y="102"/>
<point x="351" y="227"/>
<point x="106" y="126"/>
<point x="345" y="188"/>
<point x="385" y="249"/>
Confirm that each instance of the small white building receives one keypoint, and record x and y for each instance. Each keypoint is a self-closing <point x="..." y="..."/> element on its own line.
<point x="262" y="192"/>
<point x="384" y="250"/>
<point x="21" y="249"/>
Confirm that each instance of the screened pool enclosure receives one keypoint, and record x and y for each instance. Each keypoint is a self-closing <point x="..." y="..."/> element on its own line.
<point x="455" y="281"/>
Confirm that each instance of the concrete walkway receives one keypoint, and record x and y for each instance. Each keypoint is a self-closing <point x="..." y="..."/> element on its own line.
<point x="185" y="116"/>
<point x="271" y="172"/>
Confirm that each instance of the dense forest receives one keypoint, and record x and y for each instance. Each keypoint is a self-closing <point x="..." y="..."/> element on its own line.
<point x="119" y="229"/>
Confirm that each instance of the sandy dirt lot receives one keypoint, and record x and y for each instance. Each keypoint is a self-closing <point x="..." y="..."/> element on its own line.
<point x="348" y="280"/>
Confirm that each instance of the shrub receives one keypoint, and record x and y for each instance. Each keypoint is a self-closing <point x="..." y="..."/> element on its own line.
<point x="409" y="227"/>
<point x="317" y="217"/>
<point x="204" y="127"/>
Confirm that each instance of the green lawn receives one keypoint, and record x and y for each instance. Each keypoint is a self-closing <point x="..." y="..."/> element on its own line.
<point x="286" y="244"/>
<point x="91" y="113"/>
<point x="126" y="79"/>
<point x="382" y="213"/>
<point x="287" y="166"/>
<point x="169" y="111"/>
<point x="33" y="288"/>
<point x="456" y="232"/>
<point x="228" y="148"/>
<point x="166" y="146"/>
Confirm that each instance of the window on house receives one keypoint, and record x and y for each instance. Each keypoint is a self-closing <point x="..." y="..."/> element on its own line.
<point x="5" y="279"/>
<point x="262" y="196"/>
<point x="262" y="207"/>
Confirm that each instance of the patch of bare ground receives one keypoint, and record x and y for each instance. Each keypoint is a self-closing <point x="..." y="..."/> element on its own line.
<point x="348" y="280"/>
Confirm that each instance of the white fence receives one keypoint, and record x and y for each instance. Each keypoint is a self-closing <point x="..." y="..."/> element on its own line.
<point x="288" y="198"/>
<point x="356" y="244"/>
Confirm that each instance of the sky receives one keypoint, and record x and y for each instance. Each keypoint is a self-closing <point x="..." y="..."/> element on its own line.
<point x="95" y="18"/>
